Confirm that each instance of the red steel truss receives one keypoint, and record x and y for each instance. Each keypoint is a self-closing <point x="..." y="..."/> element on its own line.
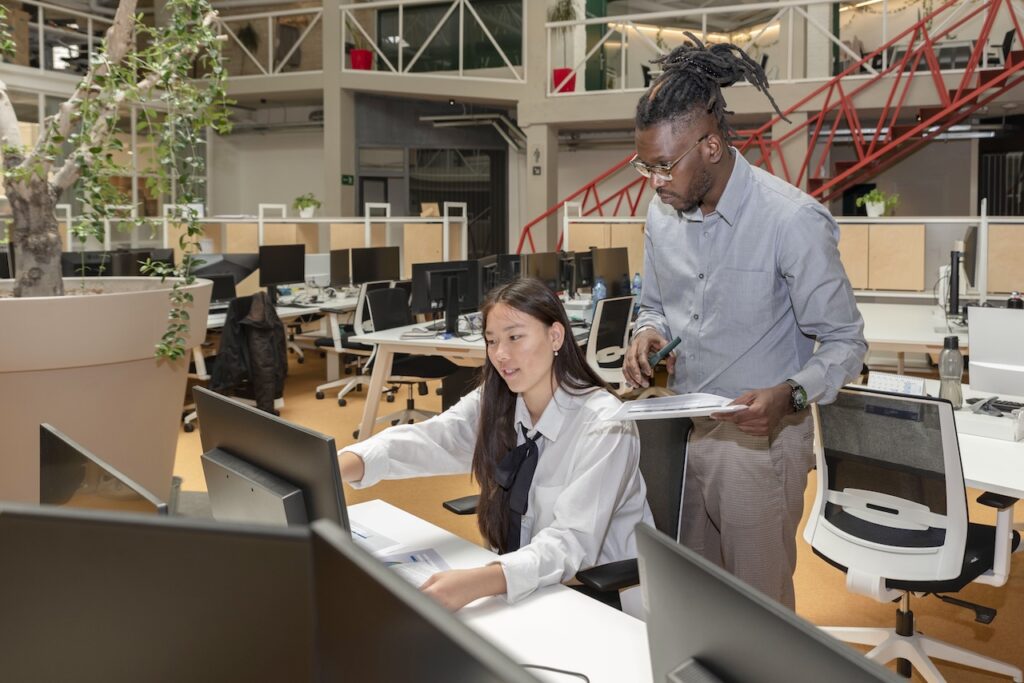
<point x="889" y="141"/>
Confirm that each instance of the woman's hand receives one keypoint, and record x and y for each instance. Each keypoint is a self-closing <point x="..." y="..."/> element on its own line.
<point x="456" y="588"/>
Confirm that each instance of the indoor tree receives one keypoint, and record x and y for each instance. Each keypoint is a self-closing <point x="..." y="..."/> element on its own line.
<point x="146" y="66"/>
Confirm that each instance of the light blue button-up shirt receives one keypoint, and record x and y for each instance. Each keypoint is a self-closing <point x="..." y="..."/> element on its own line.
<point x="749" y="288"/>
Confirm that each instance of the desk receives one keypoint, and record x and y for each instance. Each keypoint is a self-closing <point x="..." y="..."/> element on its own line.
<point x="556" y="626"/>
<point x="902" y="328"/>
<point x="389" y="342"/>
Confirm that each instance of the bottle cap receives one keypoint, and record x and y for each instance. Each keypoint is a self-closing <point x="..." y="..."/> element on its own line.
<point x="951" y="342"/>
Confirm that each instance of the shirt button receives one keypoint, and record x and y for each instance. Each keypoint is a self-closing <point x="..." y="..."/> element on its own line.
<point x="696" y="317"/>
<point x="692" y="356"/>
<point x="701" y="276"/>
<point x="707" y="234"/>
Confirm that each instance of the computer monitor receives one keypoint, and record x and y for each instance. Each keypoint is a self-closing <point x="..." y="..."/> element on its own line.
<point x="224" y="290"/>
<point x="284" y="452"/>
<point x="97" y="596"/>
<point x="612" y="264"/>
<point x="318" y="269"/>
<point x="125" y="262"/>
<point x="703" y="624"/>
<point x="584" y="268"/>
<point x="970" y="255"/>
<point x="400" y="634"/>
<point x="567" y="272"/>
<point x="488" y="273"/>
<point x="508" y="268"/>
<point x="340" y="274"/>
<point x="85" y="264"/>
<point x="282" y="264"/>
<point x="545" y="266"/>
<point x="996" y="350"/>
<point x="435" y="284"/>
<point x="6" y="263"/>
<point x="71" y="476"/>
<point x="370" y="264"/>
<point x="238" y="266"/>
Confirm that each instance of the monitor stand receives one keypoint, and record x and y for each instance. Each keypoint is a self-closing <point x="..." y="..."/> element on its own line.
<point x="451" y="306"/>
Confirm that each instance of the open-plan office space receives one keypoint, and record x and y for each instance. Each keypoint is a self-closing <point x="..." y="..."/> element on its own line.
<point x="418" y="154"/>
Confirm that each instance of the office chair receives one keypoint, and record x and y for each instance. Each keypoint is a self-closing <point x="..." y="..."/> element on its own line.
<point x="646" y="71"/>
<point x="389" y="308"/>
<point x="609" y="339"/>
<point x="339" y="342"/>
<point x="663" y="466"/>
<point x="891" y="512"/>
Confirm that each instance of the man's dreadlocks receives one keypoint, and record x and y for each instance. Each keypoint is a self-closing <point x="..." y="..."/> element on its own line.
<point x="692" y="78"/>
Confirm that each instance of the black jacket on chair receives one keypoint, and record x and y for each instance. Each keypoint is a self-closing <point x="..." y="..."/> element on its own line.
<point x="253" y="359"/>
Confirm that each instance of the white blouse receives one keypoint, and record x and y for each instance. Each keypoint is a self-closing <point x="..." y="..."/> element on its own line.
<point x="586" y="497"/>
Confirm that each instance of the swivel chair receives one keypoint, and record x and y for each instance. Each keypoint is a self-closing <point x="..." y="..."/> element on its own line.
<point x="339" y="342"/>
<point x="609" y="339"/>
<point x="891" y="512"/>
<point x="389" y="308"/>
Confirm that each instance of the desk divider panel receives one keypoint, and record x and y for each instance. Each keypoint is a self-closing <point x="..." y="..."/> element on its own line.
<point x="896" y="257"/>
<point x="582" y="236"/>
<point x="423" y="244"/>
<point x="349" y="235"/>
<point x="1005" y="257"/>
<point x="631" y="236"/>
<point x="853" y="252"/>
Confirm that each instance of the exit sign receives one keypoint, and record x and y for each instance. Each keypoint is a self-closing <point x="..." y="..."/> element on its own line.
<point x="348" y="180"/>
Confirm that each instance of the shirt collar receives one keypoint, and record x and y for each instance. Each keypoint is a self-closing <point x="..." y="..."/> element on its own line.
<point x="733" y="195"/>
<point x="553" y="417"/>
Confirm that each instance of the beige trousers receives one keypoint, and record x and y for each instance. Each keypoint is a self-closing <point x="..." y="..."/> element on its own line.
<point x="743" y="499"/>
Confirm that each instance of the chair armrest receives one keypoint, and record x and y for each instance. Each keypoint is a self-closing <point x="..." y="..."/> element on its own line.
<point x="611" y="576"/>
<point x="462" y="506"/>
<point x="996" y="500"/>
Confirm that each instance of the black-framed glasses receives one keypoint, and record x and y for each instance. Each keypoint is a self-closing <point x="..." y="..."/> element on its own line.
<point x="663" y="172"/>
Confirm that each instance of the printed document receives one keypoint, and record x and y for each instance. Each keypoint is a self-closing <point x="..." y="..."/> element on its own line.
<point x="683" y="405"/>
<point x="416" y="566"/>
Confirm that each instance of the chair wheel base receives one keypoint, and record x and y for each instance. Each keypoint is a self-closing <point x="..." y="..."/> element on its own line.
<point x="300" y="360"/>
<point x="189" y="428"/>
<point x="394" y="422"/>
<point x="342" y="402"/>
<point x="355" y="434"/>
<point x="319" y="395"/>
<point x="390" y="398"/>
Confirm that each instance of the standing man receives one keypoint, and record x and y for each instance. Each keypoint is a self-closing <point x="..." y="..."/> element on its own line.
<point x="745" y="269"/>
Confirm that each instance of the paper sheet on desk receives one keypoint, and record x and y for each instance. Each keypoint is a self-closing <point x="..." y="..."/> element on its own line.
<point x="415" y="566"/>
<point x="683" y="405"/>
<point x="371" y="541"/>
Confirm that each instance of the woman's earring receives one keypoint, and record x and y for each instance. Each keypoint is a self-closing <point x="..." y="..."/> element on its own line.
<point x="556" y="352"/>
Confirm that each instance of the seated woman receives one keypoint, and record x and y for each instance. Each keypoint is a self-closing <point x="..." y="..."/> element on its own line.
<point x="560" y="488"/>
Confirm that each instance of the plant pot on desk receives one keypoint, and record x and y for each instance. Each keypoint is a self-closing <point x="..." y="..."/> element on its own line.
<point x="306" y="212"/>
<point x="361" y="59"/>
<point x="564" y="74"/>
<point x="874" y="209"/>
<point x="85" y="364"/>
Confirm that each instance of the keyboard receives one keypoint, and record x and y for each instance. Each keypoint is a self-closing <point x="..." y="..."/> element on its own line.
<point x="1004" y="406"/>
<point x="218" y="308"/>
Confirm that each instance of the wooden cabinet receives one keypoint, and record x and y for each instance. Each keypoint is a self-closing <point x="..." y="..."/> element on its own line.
<point x="1005" y="258"/>
<point x="883" y="256"/>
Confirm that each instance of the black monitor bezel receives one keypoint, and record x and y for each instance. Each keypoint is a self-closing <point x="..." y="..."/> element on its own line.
<point x="287" y="264"/>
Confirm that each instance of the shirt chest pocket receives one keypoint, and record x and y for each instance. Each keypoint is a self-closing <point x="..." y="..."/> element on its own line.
<point x="740" y="301"/>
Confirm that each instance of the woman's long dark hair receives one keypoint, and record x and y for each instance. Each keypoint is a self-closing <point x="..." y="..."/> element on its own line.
<point x="496" y="432"/>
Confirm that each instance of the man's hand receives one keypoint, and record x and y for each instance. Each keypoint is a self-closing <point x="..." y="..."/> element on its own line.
<point x="766" y="408"/>
<point x="635" y="368"/>
<point x="456" y="588"/>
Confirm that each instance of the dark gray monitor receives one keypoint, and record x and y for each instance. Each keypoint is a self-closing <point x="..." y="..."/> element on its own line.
<point x="612" y="265"/>
<point x="970" y="255"/>
<point x="224" y="289"/>
<point x="6" y="263"/>
<point x="545" y="266"/>
<point x="282" y="264"/>
<point x="370" y="264"/>
<point x="93" y="597"/>
<point x="400" y="634"/>
<point x="86" y="264"/>
<point x="298" y="456"/>
<point x="508" y="268"/>
<point x="701" y="620"/>
<point x="238" y="266"/>
<point x="341" y="275"/>
<point x="430" y="285"/>
<point x="488" y="273"/>
<point x="71" y="476"/>
<point x="584" y="269"/>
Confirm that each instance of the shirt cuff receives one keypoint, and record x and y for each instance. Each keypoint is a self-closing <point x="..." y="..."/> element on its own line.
<point x="375" y="462"/>
<point x="812" y="382"/>
<point x="520" y="569"/>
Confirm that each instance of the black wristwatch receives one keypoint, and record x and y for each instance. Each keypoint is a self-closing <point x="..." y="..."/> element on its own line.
<point x="797" y="397"/>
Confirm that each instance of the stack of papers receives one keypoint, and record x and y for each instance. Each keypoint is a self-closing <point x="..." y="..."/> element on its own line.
<point x="684" y="405"/>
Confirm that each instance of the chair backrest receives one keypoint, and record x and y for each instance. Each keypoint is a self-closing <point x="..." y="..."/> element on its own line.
<point x="890" y="501"/>
<point x="609" y="332"/>
<point x="662" y="464"/>
<point x="406" y="285"/>
<point x="1008" y="44"/>
<point x="362" y="314"/>
<point x="389" y="308"/>
<point x="646" y="71"/>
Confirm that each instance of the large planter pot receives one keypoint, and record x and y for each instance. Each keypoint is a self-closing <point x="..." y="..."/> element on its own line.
<point x="563" y="74"/>
<point x="85" y="364"/>
<point x="361" y="59"/>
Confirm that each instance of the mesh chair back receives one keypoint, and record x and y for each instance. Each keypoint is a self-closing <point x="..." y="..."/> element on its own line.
<point x="609" y="332"/>
<point x="404" y="285"/>
<point x="362" y="313"/>
<point x="662" y="464"/>
<point x="891" y="501"/>
<point x="389" y="308"/>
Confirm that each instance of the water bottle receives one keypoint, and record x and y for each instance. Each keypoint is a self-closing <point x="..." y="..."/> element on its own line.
<point x="597" y="292"/>
<point x="951" y="372"/>
<point x="637" y="285"/>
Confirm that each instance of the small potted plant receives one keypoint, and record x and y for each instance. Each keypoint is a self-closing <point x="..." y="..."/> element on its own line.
<point x="360" y="55"/>
<point x="563" y="77"/>
<point x="878" y="203"/>
<point x="306" y="204"/>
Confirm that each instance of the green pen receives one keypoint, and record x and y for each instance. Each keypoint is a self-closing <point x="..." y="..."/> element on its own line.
<point x="659" y="356"/>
